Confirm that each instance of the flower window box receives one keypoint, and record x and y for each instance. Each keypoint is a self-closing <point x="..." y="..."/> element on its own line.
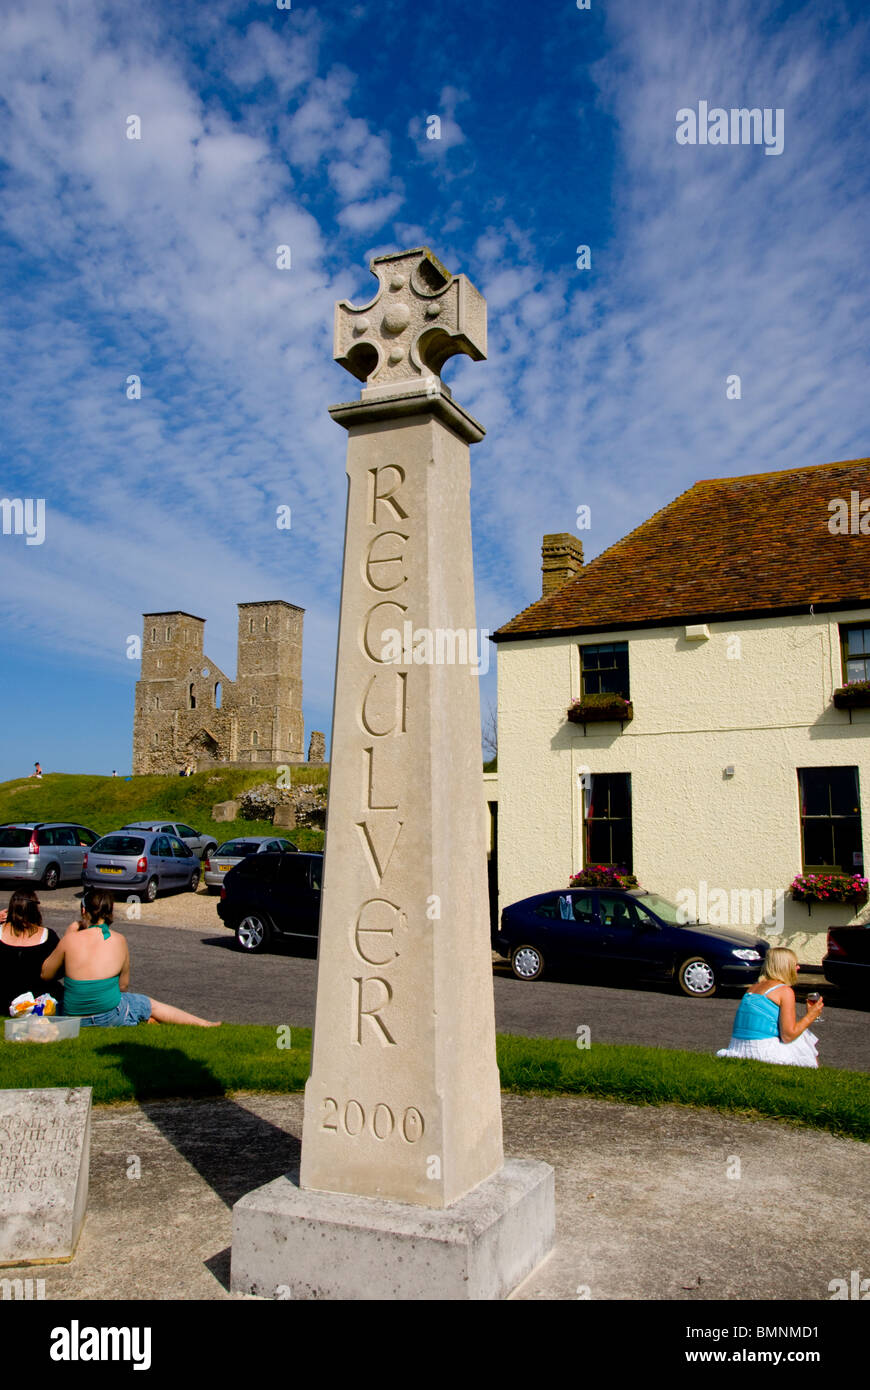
<point x="829" y="888"/>
<point x="853" y="695"/>
<point x="595" y="709"/>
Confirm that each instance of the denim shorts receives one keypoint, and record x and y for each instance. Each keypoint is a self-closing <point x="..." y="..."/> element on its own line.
<point x="133" y="1009"/>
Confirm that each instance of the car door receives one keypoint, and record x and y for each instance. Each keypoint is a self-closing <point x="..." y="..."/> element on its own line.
<point x="164" y="862"/>
<point x="172" y="866"/>
<point x="184" y="860"/>
<point x="631" y="936"/>
<point x="585" y="940"/>
<point x="567" y="927"/>
<point x="45" y="838"/>
<point x="67" y="852"/>
<point x="315" y="879"/>
<point x="651" y="948"/>
<point x="297" y="907"/>
<point x="84" y="838"/>
<point x="190" y="837"/>
<point x="556" y="930"/>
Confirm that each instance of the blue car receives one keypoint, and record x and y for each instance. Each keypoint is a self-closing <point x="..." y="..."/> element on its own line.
<point x="625" y="932"/>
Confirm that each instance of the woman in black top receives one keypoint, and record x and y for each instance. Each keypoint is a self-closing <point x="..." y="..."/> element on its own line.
<point x="24" y="944"/>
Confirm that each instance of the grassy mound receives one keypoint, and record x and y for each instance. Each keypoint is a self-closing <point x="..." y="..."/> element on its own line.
<point x="106" y="803"/>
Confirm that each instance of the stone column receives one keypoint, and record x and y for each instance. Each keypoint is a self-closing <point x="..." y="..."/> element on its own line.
<point x="403" y="1102"/>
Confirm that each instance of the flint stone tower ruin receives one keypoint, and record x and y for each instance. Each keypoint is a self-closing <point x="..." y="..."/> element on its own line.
<point x="188" y="711"/>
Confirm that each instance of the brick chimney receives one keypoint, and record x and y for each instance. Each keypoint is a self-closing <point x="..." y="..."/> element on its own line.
<point x="561" y="560"/>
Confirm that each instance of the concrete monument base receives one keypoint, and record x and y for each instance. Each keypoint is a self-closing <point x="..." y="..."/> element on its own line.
<point x="293" y="1242"/>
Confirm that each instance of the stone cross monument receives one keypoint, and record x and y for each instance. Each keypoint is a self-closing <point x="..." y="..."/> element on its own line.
<point x="403" y="1190"/>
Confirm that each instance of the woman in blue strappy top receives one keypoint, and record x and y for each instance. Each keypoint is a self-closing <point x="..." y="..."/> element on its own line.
<point x="96" y="968"/>
<point x="765" y="1027"/>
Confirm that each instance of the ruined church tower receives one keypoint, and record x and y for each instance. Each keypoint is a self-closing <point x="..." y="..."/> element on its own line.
<point x="187" y="711"/>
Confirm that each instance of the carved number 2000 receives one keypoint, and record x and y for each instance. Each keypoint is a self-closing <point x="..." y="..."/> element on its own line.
<point x="381" y="1120"/>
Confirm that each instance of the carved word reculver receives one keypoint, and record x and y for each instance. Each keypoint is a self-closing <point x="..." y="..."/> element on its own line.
<point x="378" y="918"/>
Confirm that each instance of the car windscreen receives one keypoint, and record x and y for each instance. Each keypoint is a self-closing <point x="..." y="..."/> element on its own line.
<point x="236" y="849"/>
<point x="675" y="916"/>
<point x="15" y="836"/>
<point x="119" y="844"/>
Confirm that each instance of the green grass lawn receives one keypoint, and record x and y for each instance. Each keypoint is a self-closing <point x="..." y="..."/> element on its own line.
<point x="149" y="1063"/>
<point x="106" y="803"/>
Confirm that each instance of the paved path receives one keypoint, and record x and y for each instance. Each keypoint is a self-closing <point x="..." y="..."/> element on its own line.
<point x="645" y="1205"/>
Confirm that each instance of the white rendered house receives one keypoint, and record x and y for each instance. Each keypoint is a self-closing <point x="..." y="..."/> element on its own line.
<point x="728" y="621"/>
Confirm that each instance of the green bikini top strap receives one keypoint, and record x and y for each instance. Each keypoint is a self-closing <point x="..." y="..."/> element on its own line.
<point x="104" y="929"/>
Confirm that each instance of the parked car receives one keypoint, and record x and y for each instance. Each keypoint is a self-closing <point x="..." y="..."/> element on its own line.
<point x="625" y="932"/>
<point x="202" y="845"/>
<point x="44" y="852"/>
<point x="847" y="962"/>
<point x="218" y="864"/>
<point x="141" y="862"/>
<point x="268" y="896"/>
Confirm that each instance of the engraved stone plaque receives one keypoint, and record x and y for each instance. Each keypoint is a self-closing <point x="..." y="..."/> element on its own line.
<point x="44" y="1158"/>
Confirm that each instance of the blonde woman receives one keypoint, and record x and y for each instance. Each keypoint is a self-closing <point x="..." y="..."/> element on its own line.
<point x="766" y="1028"/>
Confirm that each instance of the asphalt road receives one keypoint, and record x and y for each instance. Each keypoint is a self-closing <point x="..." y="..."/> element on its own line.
<point x="198" y="968"/>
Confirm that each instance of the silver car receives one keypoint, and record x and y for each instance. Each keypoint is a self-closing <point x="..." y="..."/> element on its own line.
<point x="201" y="845"/>
<point x="44" y="852"/>
<point x="140" y="862"/>
<point x="232" y="852"/>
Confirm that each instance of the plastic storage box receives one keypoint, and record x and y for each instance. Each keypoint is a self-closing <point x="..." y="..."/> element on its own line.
<point x="34" y="1028"/>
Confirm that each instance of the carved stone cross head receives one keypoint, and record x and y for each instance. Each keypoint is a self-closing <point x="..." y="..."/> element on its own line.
<point x="420" y="316"/>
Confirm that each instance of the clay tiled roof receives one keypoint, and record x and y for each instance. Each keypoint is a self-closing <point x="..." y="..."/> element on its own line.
<point x="728" y="546"/>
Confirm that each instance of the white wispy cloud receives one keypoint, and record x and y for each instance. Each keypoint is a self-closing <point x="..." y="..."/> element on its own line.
<point x="439" y="130"/>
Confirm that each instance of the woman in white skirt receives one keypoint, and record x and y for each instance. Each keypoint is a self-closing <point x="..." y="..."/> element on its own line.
<point x="765" y="1028"/>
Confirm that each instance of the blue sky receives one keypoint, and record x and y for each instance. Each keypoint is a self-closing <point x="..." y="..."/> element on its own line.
<point x="307" y="127"/>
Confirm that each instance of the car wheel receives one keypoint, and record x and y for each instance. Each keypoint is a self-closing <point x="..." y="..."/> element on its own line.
<point x="194" y="880"/>
<point x="697" y="978"/>
<point x="527" y="963"/>
<point x="253" y="933"/>
<point x="151" y="890"/>
<point x="51" y="878"/>
<point x="208" y="851"/>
